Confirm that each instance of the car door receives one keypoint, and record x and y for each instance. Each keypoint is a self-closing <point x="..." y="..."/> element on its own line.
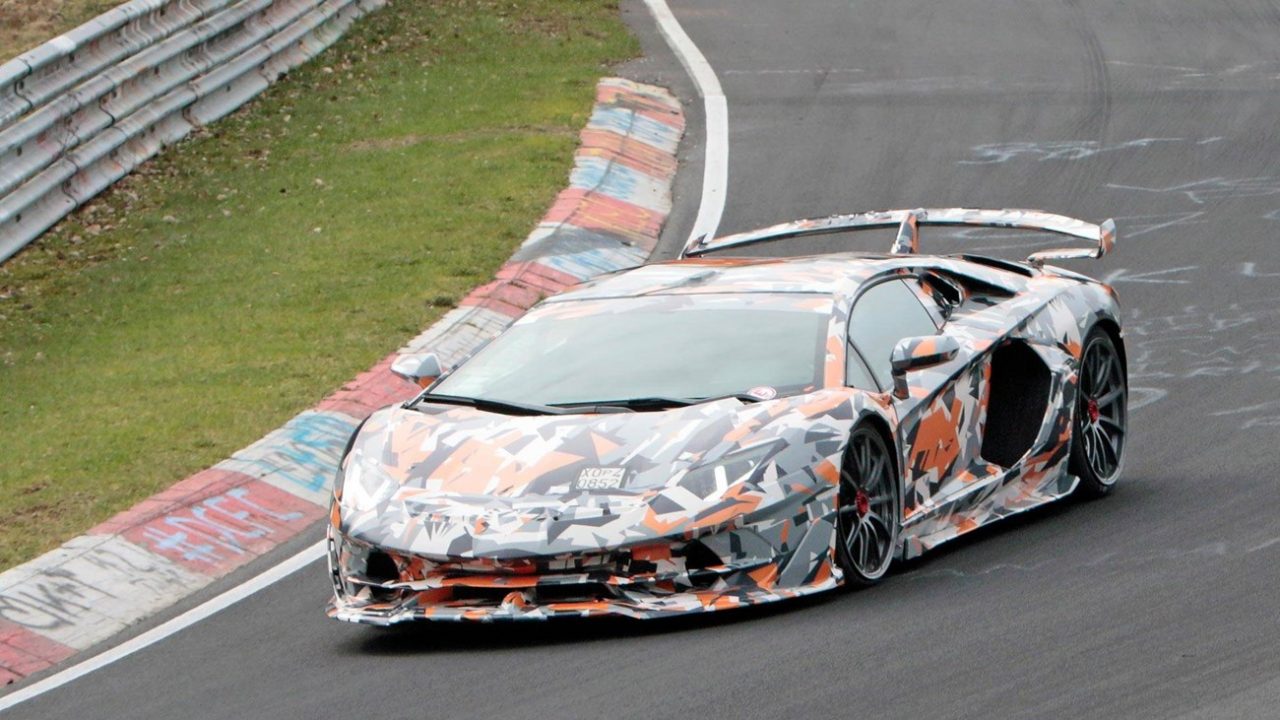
<point x="940" y="427"/>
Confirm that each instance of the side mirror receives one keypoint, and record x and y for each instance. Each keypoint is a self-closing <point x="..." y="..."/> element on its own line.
<point x="917" y="353"/>
<point x="420" y="368"/>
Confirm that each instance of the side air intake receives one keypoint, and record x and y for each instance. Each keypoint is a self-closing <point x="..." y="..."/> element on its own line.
<point x="1019" y="401"/>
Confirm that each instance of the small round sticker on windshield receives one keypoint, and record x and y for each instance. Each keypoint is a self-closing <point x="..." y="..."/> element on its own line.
<point x="764" y="392"/>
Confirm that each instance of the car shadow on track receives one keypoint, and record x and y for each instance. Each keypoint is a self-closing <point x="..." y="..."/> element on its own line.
<point x="417" y="638"/>
<point x="469" y="637"/>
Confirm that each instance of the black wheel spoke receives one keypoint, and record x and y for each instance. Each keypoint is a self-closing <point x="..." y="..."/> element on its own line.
<point x="867" y="506"/>
<point x="877" y="471"/>
<point x="1101" y="414"/>
<point x="1116" y="375"/>
<point x="1106" y="456"/>
<point x="863" y="545"/>
<point x="1109" y="451"/>
<point x="877" y="542"/>
<point x="1110" y="397"/>
<point x="874" y="521"/>
<point x="1116" y="429"/>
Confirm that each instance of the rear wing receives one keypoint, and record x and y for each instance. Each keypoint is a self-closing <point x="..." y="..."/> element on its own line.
<point x="908" y="222"/>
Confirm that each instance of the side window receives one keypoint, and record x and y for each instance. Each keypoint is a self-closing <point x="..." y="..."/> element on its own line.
<point x="856" y="373"/>
<point x="940" y="295"/>
<point x="883" y="315"/>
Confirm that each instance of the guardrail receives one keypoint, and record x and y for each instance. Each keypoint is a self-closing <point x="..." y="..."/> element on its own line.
<point x="86" y="108"/>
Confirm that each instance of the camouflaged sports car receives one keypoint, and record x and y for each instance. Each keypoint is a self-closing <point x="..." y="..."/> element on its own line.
<point x="711" y="433"/>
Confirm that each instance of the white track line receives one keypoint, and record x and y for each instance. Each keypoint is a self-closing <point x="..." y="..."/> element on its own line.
<point x="715" y="177"/>
<point x="160" y="632"/>
<point x="715" y="170"/>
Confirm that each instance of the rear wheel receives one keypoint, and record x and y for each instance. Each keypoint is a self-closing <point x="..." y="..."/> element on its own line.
<point x="867" y="517"/>
<point x="1101" y="421"/>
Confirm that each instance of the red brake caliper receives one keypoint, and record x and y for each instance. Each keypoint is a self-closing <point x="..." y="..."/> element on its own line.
<point x="862" y="503"/>
<point x="1093" y="410"/>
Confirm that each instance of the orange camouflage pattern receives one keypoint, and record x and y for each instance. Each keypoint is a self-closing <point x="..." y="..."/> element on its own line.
<point x="453" y="513"/>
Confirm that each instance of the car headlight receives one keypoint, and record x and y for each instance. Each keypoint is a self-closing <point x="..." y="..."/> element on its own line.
<point x="364" y="487"/>
<point x="716" y="476"/>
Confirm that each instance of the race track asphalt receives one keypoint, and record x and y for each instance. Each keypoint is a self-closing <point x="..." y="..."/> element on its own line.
<point x="1160" y="601"/>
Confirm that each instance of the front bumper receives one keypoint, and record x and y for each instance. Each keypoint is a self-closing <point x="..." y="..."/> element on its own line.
<point x="753" y="565"/>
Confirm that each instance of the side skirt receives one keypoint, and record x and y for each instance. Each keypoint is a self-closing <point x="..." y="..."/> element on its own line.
<point x="1003" y="497"/>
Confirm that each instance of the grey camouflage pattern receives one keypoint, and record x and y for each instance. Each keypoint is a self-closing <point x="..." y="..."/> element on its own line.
<point x="481" y="517"/>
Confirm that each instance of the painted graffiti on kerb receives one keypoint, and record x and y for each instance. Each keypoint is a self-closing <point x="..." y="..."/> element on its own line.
<point x="89" y="588"/>
<point x="217" y="529"/>
<point x="299" y="458"/>
<point x="51" y="601"/>
<point x="145" y="572"/>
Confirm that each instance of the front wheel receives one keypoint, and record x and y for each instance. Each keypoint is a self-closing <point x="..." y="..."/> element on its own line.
<point x="1101" y="417"/>
<point x="867" y="516"/>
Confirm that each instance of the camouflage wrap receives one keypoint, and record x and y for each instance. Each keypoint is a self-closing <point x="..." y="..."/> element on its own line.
<point x="452" y="513"/>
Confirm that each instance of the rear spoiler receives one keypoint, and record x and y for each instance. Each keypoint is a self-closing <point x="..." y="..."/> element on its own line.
<point x="908" y="222"/>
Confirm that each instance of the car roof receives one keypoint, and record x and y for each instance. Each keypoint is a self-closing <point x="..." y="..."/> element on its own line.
<point x="824" y="274"/>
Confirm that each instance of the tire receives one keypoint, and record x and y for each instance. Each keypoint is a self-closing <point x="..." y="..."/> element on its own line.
<point x="867" y="516"/>
<point x="1100" y="422"/>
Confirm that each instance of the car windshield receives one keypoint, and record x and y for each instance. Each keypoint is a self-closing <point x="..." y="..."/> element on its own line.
<point x="686" y="347"/>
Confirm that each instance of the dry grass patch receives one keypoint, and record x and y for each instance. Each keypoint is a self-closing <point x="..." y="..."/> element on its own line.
<point x="24" y="24"/>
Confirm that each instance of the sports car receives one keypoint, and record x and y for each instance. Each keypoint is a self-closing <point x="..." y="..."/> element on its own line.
<point x="715" y="432"/>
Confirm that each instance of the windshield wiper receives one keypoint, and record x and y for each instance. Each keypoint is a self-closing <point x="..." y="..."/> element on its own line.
<point x="657" y="402"/>
<point x="500" y="406"/>
<point x="645" y="403"/>
<point x="744" y="397"/>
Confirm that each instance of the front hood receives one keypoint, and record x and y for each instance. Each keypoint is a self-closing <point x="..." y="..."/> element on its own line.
<point x="456" y="482"/>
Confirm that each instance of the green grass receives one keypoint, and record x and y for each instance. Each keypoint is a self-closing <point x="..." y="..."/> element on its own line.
<point x="247" y="273"/>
